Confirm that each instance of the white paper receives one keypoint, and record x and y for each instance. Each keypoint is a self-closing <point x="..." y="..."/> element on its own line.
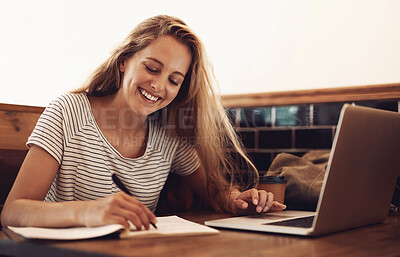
<point x="171" y="226"/>
<point x="66" y="233"/>
<point x="166" y="226"/>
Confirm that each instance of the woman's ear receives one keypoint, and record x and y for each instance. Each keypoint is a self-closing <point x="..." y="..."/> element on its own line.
<point x="122" y="66"/>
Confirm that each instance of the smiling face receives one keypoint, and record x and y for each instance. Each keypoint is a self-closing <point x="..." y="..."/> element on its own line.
<point x="153" y="76"/>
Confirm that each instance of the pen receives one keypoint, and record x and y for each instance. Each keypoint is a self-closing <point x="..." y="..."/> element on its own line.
<point x="125" y="190"/>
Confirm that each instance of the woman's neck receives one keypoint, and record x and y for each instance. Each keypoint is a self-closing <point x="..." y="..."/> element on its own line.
<point x="112" y="114"/>
<point x="123" y="129"/>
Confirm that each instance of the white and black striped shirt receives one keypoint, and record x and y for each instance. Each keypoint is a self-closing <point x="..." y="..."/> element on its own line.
<point x="67" y="130"/>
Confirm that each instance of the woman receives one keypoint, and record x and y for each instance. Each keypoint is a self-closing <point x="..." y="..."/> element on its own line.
<point x="148" y="110"/>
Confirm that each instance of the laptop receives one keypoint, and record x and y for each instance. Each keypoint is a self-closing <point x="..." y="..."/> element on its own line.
<point x="358" y="185"/>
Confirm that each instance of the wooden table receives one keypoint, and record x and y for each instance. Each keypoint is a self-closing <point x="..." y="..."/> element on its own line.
<point x="376" y="240"/>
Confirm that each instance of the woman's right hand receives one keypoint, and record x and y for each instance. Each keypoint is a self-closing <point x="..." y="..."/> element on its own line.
<point x="118" y="208"/>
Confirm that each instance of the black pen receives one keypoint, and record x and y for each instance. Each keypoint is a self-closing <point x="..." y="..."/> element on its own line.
<point x="123" y="188"/>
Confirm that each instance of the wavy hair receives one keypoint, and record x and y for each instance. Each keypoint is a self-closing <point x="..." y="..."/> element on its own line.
<point x="206" y="125"/>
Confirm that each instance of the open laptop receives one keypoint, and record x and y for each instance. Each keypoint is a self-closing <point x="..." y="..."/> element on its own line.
<point x="359" y="181"/>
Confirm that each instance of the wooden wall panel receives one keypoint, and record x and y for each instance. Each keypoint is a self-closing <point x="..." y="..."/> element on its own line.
<point x="15" y="128"/>
<point x="341" y="94"/>
<point x="16" y="124"/>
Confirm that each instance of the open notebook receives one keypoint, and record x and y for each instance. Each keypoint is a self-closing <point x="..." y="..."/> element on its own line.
<point x="166" y="226"/>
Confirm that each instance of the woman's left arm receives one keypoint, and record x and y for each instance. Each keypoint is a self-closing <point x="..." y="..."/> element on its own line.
<point x="239" y="203"/>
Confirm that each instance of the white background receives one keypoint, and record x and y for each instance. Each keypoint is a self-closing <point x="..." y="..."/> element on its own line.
<point x="48" y="47"/>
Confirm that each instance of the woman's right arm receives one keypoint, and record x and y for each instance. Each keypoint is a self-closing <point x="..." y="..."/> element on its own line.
<point x="25" y="206"/>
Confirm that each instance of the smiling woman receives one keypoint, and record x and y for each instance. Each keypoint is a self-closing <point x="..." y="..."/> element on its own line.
<point x="127" y="120"/>
<point x="153" y="76"/>
<point x="151" y="79"/>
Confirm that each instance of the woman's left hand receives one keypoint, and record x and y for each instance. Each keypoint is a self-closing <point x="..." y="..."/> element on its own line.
<point x="254" y="201"/>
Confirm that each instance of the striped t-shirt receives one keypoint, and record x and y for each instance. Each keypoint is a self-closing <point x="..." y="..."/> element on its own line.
<point x="67" y="130"/>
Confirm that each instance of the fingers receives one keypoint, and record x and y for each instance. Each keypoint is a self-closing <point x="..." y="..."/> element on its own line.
<point x="249" y="196"/>
<point x="259" y="198"/>
<point x="134" y="215"/>
<point x="138" y="212"/>
<point x="277" y="206"/>
<point x="256" y="201"/>
<point x="243" y="200"/>
<point x="263" y="196"/>
<point x="119" y="220"/>
<point x="268" y="204"/>
<point x="135" y="211"/>
<point x="121" y="208"/>
<point x="241" y="204"/>
<point x="265" y="202"/>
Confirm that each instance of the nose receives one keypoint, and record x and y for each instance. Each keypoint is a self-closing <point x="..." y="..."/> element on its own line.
<point x="158" y="84"/>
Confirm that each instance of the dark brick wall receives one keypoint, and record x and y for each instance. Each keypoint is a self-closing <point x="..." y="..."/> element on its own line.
<point x="269" y="130"/>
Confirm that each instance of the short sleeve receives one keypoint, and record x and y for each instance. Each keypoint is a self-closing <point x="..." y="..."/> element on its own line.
<point x="48" y="132"/>
<point x="186" y="161"/>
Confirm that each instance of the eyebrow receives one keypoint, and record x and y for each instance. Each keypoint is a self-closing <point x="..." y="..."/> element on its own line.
<point x="159" y="62"/>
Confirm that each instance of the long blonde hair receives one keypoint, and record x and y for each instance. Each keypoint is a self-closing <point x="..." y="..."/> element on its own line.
<point x="208" y="127"/>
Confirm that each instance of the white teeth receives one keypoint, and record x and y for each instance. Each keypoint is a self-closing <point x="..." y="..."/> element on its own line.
<point x="147" y="95"/>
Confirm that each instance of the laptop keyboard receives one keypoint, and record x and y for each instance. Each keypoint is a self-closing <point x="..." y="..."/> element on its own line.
<point x="304" y="222"/>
